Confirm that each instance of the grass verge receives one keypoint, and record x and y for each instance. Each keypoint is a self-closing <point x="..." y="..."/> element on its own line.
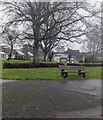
<point x="47" y="74"/>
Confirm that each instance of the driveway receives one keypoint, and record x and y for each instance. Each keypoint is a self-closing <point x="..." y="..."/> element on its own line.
<point x="51" y="99"/>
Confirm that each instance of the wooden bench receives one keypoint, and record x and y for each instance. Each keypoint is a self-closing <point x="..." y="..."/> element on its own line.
<point x="64" y="74"/>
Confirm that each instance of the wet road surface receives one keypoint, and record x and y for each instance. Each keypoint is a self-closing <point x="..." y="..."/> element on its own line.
<point x="50" y="99"/>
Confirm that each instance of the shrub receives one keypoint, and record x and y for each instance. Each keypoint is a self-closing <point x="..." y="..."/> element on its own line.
<point x="31" y="65"/>
<point x="86" y="64"/>
<point x="73" y="64"/>
<point x="81" y="61"/>
<point x="93" y="64"/>
<point x="47" y="65"/>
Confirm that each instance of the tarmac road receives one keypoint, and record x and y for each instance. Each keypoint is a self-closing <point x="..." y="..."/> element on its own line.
<point x="51" y="99"/>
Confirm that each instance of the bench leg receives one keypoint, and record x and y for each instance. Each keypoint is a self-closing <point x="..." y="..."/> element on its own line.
<point x="64" y="75"/>
<point x="83" y="75"/>
<point x="79" y="72"/>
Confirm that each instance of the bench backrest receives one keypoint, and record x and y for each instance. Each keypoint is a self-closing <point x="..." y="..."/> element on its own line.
<point x="63" y="67"/>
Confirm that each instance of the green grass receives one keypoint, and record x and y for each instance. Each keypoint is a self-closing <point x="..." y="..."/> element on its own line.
<point x="30" y="74"/>
<point x="47" y="74"/>
<point x="94" y="72"/>
<point x="24" y="61"/>
<point x="16" y="61"/>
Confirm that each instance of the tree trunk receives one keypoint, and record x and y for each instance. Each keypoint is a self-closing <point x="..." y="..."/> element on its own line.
<point x="35" y="51"/>
<point x="45" y="55"/>
<point x="93" y="57"/>
<point x="10" y="55"/>
<point x="36" y="42"/>
<point x="27" y="56"/>
<point x="69" y="58"/>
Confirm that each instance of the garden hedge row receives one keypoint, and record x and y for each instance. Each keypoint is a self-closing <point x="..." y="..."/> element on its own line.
<point x="47" y="65"/>
<point x="31" y="65"/>
<point x="87" y="64"/>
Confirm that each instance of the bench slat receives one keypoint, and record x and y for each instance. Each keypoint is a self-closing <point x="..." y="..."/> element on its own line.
<point x="72" y="67"/>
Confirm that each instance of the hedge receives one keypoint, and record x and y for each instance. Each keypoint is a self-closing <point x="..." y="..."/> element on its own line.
<point x="31" y="65"/>
<point x="87" y="64"/>
<point x="47" y="65"/>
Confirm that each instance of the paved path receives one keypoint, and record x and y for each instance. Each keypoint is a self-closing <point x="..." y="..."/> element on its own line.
<point x="89" y="113"/>
<point x="87" y="86"/>
<point x="55" y="99"/>
<point x="6" y="81"/>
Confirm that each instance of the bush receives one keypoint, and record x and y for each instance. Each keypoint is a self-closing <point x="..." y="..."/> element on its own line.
<point x="31" y="65"/>
<point x="92" y="64"/>
<point x="47" y="65"/>
<point x="86" y="64"/>
<point x="81" y="61"/>
<point x="73" y="64"/>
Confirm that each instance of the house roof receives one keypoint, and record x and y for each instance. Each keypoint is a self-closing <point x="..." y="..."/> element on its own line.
<point x="61" y="55"/>
<point x="2" y="53"/>
<point x="72" y="52"/>
<point x="30" y="53"/>
<point x="7" y="50"/>
<point x="21" y="53"/>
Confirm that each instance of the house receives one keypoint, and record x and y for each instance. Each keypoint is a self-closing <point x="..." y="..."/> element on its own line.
<point x="2" y="55"/>
<point x="26" y="52"/>
<point x="60" y="57"/>
<point x="76" y="55"/>
<point x="70" y="55"/>
<point x="5" y="51"/>
<point x="27" y="49"/>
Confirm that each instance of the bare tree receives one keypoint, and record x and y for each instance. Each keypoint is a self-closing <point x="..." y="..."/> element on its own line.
<point x="68" y="24"/>
<point x="48" y="38"/>
<point x="10" y="37"/>
<point x="61" y="47"/>
<point x="93" y="43"/>
<point x="49" y="22"/>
